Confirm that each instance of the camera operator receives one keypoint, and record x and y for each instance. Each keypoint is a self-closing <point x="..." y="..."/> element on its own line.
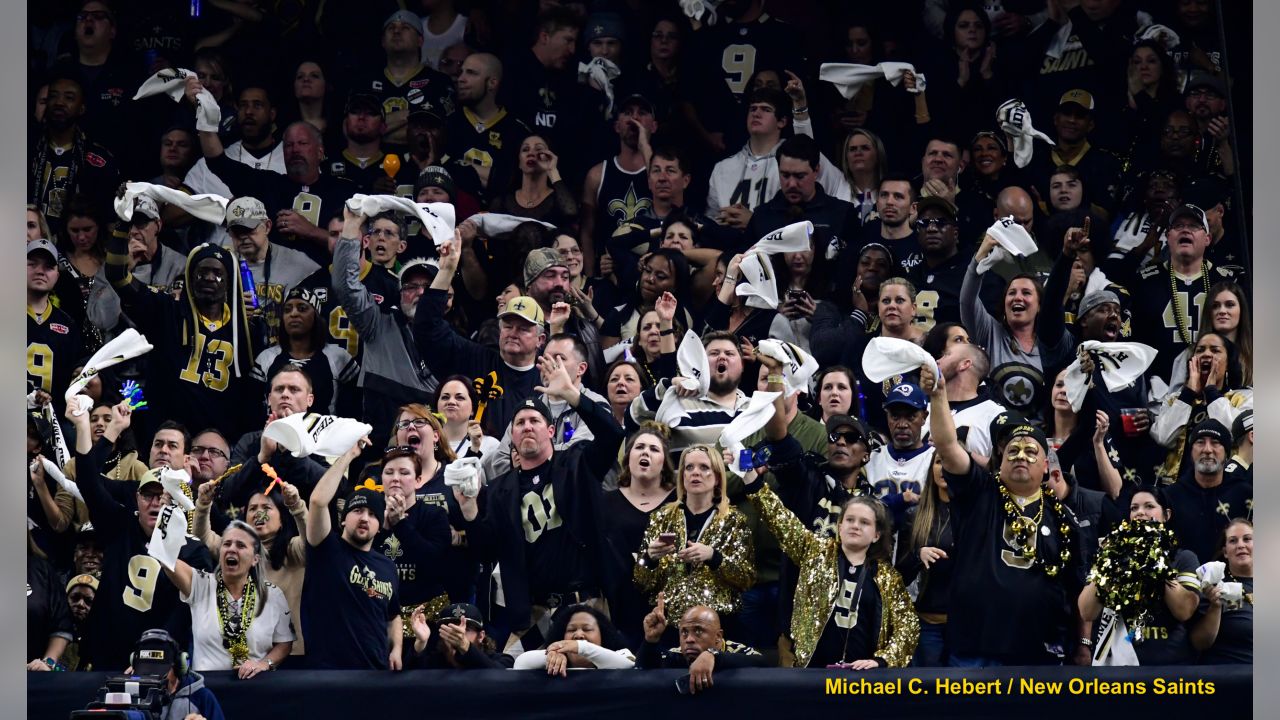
<point x="185" y="696"/>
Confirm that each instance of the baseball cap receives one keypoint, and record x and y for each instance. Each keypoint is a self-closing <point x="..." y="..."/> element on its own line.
<point x="537" y="406"/>
<point x="1211" y="428"/>
<point x="453" y="612"/>
<point x="1201" y="78"/>
<point x="936" y="201"/>
<point x="1191" y="211"/>
<point x="538" y="261"/>
<point x="1242" y="425"/>
<point x="426" y="113"/>
<point x="145" y="206"/>
<point x="152" y="477"/>
<point x="635" y="99"/>
<point x="86" y="532"/>
<point x="604" y="24"/>
<point x="83" y="579"/>
<point x="430" y="267"/>
<point x="42" y="245"/>
<point x="1083" y="98"/>
<point x="406" y="17"/>
<point x="523" y="307"/>
<point x="906" y="394"/>
<point x="434" y="176"/>
<point x="1003" y="420"/>
<point x="1094" y="299"/>
<point x="247" y="212"/>
<point x="366" y="498"/>
<point x="835" y="422"/>
<point x="155" y="653"/>
<point x="358" y="101"/>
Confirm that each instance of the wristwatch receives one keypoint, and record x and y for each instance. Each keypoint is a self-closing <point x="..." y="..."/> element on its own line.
<point x="270" y="664"/>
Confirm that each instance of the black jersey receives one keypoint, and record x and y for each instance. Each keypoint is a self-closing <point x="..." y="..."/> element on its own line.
<point x="938" y="290"/>
<point x="852" y="629"/>
<point x="555" y="561"/>
<point x="621" y="198"/>
<point x="1004" y="605"/>
<point x="1168" y="319"/>
<point x="494" y="145"/>
<point x="417" y="545"/>
<point x="316" y="202"/>
<point x="426" y="89"/>
<point x="58" y="174"/>
<point x="134" y="595"/>
<point x="362" y="172"/>
<point x="732" y="52"/>
<point x="53" y="348"/>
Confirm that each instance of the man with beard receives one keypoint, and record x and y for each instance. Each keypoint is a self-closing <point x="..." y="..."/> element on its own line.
<point x="1206" y="100"/>
<point x="546" y="280"/>
<point x="65" y="162"/>
<point x="1073" y="121"/>
<point x="201" y="371"/>
<point x="391" y="371"/>
<point x="895" y="208"/>
<point x="614" y="192"/>
<point x="1202" y="505"/>
<point x="81" y="591"/>
<point x="276" y="270"/>
<point x="521" y="334"/>
<point x="938" y="278"/>
<point x="485" y="136"/>
<point x="541" y="517"/>
<point x="1005" y="546"/>
<point x="898" y="471"/>
<point x="351" y="594"/>
<point x="135" y="595"/>
<point x="965" y="367"/>
<point x="1168" y="294"/>
<point x="300" y="200"/>
<point x="707" y="414"/>
<point x="361" y="161"/>
<point x="405" y="84"/>
<point x="703" y="646"/>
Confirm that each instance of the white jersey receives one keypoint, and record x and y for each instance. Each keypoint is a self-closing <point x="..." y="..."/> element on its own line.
<point x="200" y="179"/>
<point x="892" y="476"/>
<point x="976" y="415"/>
<point x="753" y="179"/>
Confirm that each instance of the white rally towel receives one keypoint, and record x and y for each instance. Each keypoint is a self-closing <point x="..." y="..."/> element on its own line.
<point x="51" y="470"/>
<point x="494" y="224"/>
<point x="466" y="474"/>
<point x="602" y="73"/>
<point x="205" y="206"/>
<point x="1211" y="573"/>
<point x="306" y="434"/>
<point x="169" y="536"/>
<point x="798" y="366"/>
<point x="1122" y="363"/>
<point x="1232" y="592"/>
<point x="695" y="374"/>
<point x="1013" y="239"/>
<point x="126" y="346"/>
<point x="792" y="238"/>
<point x="749" y="420"/>
<point x="437" y="218"/>
<point x="619" y="350"/>
<point x="1114" y="647"/>
<point x="697" y="9"/>
<point x="173" y="481"/>
<point x="885" y="357"/>
<point x="173" y="82"/>
<point x="1162" y="34"/>
<point x="1014" y="119"/>
<point x="850" y="77"/>
<point x="759" y="285"/>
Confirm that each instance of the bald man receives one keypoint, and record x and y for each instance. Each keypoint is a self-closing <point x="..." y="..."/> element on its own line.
<point x="484" y="138"/>
<point x="703" y="647"/>
<point x="1015" y="201"/>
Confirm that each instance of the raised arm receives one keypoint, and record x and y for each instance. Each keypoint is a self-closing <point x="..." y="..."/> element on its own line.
<point x="942" y="427"/>
<point x="982" y="327"/>
<point x="318" y="523"/>
<point x="354" y="297"/>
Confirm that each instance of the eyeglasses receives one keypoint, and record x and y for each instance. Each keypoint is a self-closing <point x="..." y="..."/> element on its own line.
<point x="413" y="286"/>
<point x="199" y="450"/>
<point x="1178" y="132"/>
<point x="850" y="437"/>
<point x="570" y="251"/>
<point x="1202" y="92"/>
<point x="384" y="232"/>
<point x="406" y="424"/>
<point x="98" y="15"/>
<point x="940" y="223"/>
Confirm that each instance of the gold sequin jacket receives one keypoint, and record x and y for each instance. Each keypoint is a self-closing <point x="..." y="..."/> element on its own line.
<point x="686" y="586"/>
<point x="818" y="559"/>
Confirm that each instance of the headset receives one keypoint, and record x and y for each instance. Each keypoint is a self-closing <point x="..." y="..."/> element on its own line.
<point x="181" y="660"/>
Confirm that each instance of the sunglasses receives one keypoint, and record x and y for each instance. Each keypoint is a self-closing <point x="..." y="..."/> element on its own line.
<point x="940" y="223"/>
<point x="850" y="437"/>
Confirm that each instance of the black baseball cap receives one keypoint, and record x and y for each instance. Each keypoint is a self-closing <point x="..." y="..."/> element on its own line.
<point x="536" y="405"/>
<point x="1242" y="426"/>
<point x="1191" y="211"/>
<point x="358" y="101"/>
<point x="454" y="612"/>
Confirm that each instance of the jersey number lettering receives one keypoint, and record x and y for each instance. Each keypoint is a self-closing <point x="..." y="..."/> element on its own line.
<point x="738" y="62"/>
<point x="213" y="372"/>
<point x="140" y="591"/>
<point x="40" y="365"/>
<point x="1193" y="316"/>
<point x="844" y="613"/>
<point x="342" y="332"/>
<point x="926" y="306"/>
<point x="538" y="513"/>
<point x="1011" y="556"/>
<point x="308" y="206"/>
<point x="745" y="189"/>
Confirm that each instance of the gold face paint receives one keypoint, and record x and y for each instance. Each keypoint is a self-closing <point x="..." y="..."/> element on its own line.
<point x="1028" y="450"/>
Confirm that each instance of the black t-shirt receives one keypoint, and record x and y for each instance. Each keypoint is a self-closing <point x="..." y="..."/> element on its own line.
<point x="342" y="164"/>
<point x="417" y="545"/>
<point x="848" y="635"/>
<point x="1002" y="606"/>
<point x="1234" y="643"/>
<point x="47" y="610"/>
<point x="348" y="597"/>
<point x="53" y="347"/>
<point x="1165" y="641"/>
<point x="906" y="251"/>
<point x="556" y="562"/>
<point x="495" y="145"/>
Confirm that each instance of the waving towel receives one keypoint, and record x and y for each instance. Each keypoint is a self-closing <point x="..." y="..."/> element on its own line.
<point x="603" y="73"/>
<point x="306" y="434"/>
<point x="885" y="357"/>
<point x="798" y="366"/>
<point x="759" y="285"/>
<point x="1121" y="363"/>
<point x="466" y="474"/>
<point x="437" y="218"/>
<point x="849" y="77"/>
<point x="1014" y="119"/>
<point x="695" y="373"/>
<point x="619" y="350"/>
<point x="753" y="416"/>
<point x="696" y="9"/>
<point x="206" y="206"/>
<point x="177" y="483"/>
<point x="792" y="238"/>
<point x="1013" y="239"/>
<point x="126" y="346"/>
<point x="1114" y="647"/>
<point x="52" y="470"/>
<point x="173" y="82"/>
<point x="169" y="536"/>
<point x="1162" y="34"/>
<point x="494" y="224"/>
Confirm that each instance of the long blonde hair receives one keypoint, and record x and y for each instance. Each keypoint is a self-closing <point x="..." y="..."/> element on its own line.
<point x="720" y="499"/>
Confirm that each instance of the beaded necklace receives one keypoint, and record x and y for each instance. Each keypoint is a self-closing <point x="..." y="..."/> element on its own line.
<point x="235" y="624"/>
<point x="1182" y="319"/>
<point x="1023" y="528"/>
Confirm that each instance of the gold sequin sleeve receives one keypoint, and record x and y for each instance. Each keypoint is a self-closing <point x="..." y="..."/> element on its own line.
<point x="737" y="552"/>
<point x="648" y="575"/>
<point x="899" y="624"/>
<point x="796" y="541"/>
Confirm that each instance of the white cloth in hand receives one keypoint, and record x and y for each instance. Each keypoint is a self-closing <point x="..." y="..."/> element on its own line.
<point x="1014" y="119"/>
<point x="169" y="536"/>
<point x="850" y="77"/>
<point x="465" y="474"/>
<point x="749" y="420"/>
<point x="798" y="366"/>
<point x="205" y="206"/>
<point x="1013" y="239"/>
<point x="1211" y="573"/>
<point x="494" y="224"/>
<point x="695" y="374"/>
<point x="126" y="346"/>
<point x="172" y="481"/>
<point x="697" y="9"/>
<point x="304" y="434"/>
<point x="437" y="218"/>
<point x="885" y="357"/>
<point x="1122" y="363"/>
<point x="173" y="82"/>
<point x="792" y="238"/>
<point x="603" y="73"/>
<point x="759" y="285"/>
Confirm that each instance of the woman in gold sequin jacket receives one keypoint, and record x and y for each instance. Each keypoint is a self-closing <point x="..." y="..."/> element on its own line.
<point x="698" y="549"/>
<point x="851" y="606"/>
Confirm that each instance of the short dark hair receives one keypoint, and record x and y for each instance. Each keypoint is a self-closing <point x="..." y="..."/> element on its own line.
<point x="215" y="431"/>
<point x="671" y="151"/>
<point x="780" y="101"/>
<point x="579" y="347"/>
<point x="291" y="368"/>
<point x="257" y="84"/>
<point x="899" y="177"/>
<point x="180" y="428"/>
<point x="555" y="19"/>
<point x="714" y="335"/>
<point x="801" y="147"/>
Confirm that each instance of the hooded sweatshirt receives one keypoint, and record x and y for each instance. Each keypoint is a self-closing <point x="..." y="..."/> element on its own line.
<point x="193" y="697"/>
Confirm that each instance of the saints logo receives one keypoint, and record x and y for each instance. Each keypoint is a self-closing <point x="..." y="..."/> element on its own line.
<point x="391" y="548"/>
<point x="628" y="206"/>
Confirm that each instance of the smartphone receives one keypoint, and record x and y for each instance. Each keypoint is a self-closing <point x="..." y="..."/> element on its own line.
<point x="667" y="538"/>
<point x="682" y="684"/>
